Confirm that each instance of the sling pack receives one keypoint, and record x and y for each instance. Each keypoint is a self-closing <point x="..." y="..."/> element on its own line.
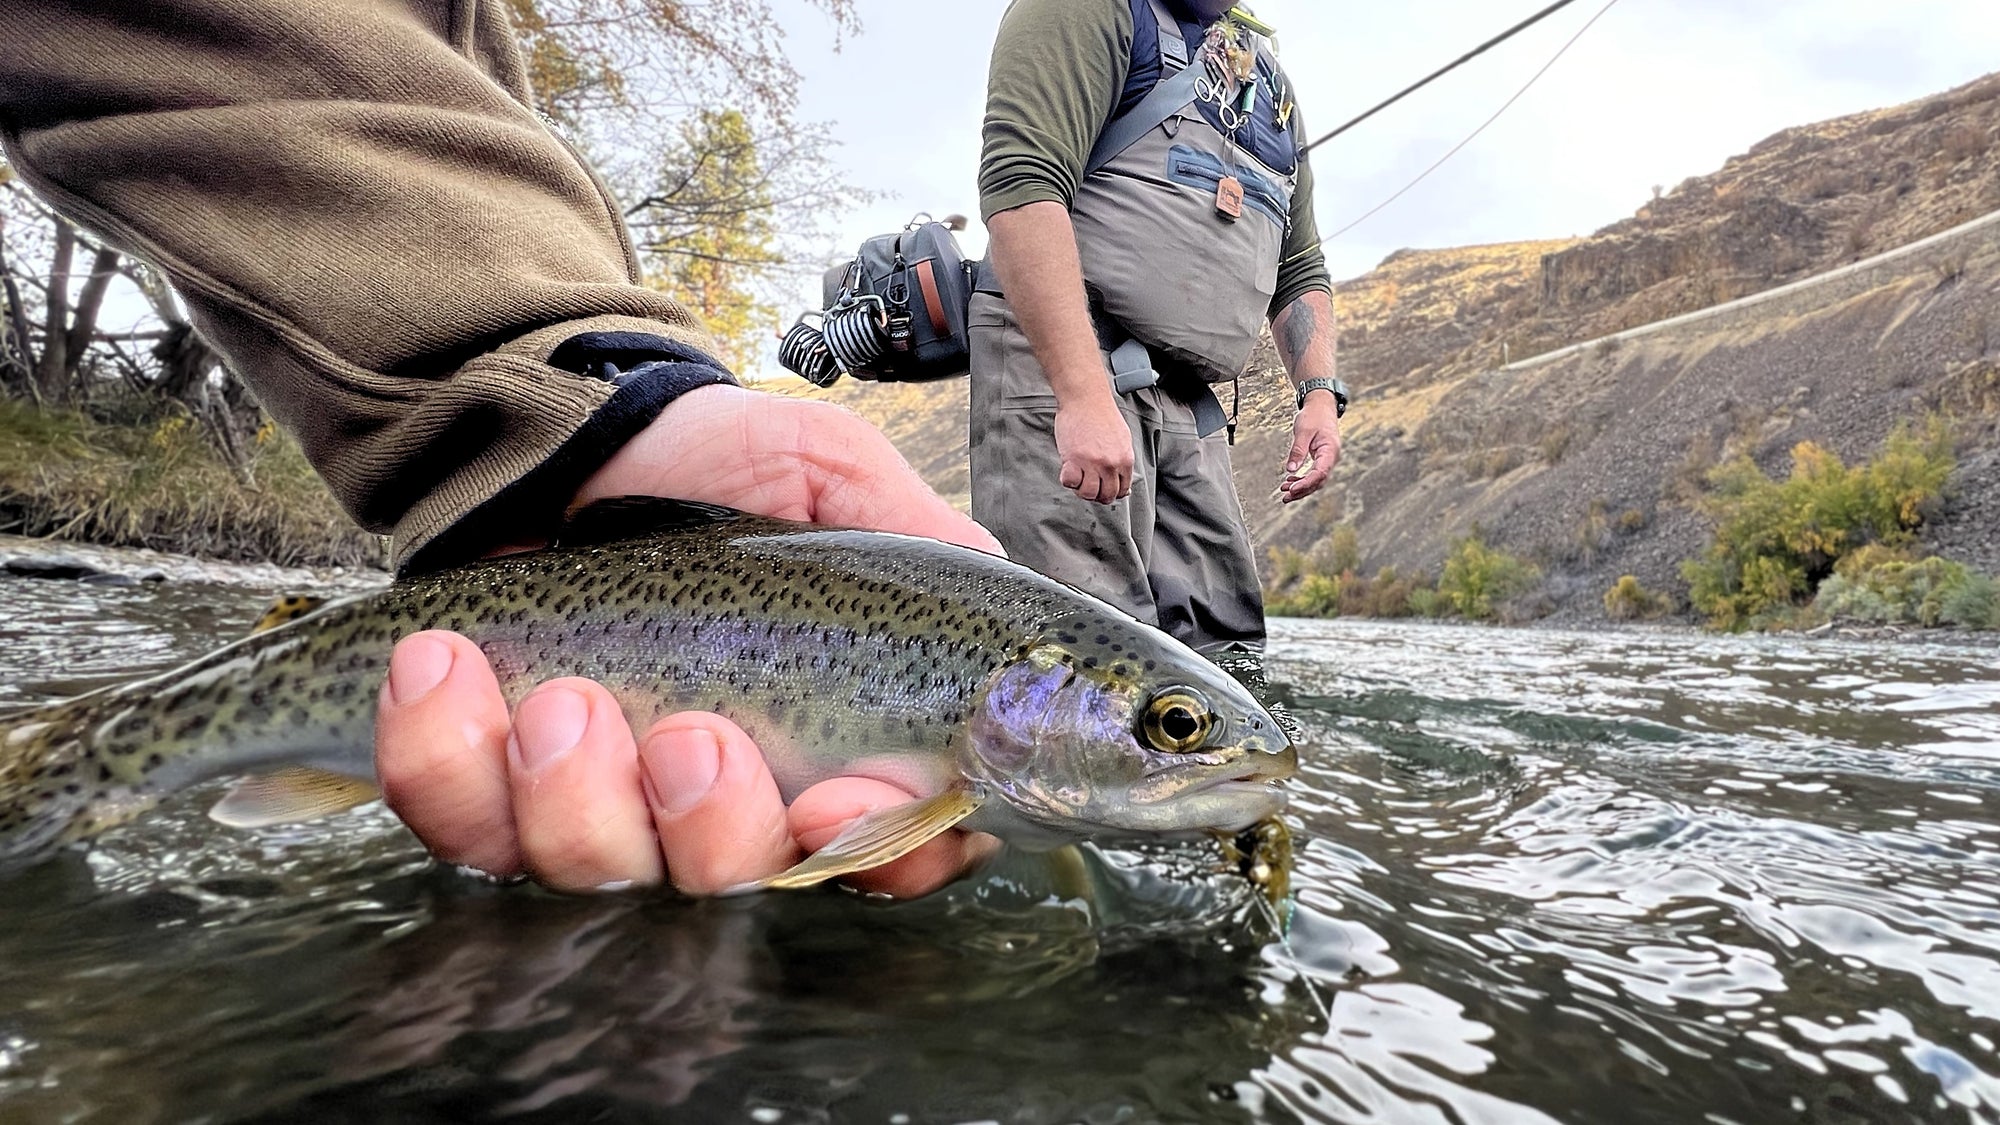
<point x="894" y="314"/>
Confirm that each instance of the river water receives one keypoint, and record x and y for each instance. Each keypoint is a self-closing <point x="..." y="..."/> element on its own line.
<point x="1632" y="877"/>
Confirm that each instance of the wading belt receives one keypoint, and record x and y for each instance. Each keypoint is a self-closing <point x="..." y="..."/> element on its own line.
<point x="1133" y="369"/>
<point x="1132" y="366"/>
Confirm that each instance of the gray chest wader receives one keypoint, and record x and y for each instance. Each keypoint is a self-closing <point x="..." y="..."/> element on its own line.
<point x="1179" y="293"/>
<point x="1177" y="287"/>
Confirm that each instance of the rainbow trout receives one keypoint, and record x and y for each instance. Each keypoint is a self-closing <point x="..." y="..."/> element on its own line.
<point x="1008" y="702"/>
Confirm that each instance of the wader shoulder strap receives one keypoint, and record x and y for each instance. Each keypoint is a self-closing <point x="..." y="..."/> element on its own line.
<point x="1174" y="91"/>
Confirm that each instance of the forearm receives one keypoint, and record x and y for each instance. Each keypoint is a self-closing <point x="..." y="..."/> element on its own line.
<point x="1307" y="336"/>
<point x="369" y="222"/>
<point x="1034" y="248"/>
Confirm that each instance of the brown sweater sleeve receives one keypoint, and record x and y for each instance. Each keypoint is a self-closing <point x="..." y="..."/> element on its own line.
<point x="367" y="219"/>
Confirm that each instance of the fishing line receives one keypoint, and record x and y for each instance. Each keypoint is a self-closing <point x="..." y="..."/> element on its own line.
<point x="1298" y="967"/>
<point x="1482" y="128"/>
<point x="1433" y="76"/>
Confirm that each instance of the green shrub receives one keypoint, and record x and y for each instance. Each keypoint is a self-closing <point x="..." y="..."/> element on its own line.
<point x="1385" y="595"/>
<point x="1477" y="578"/>
<point x="1974" y="605"/>
<point x="1288" y="565"/>
<point x="1346" y="547"/>
<point x="1627" y="600"/>
<point x="1892" y="591"/>
<point x="1427" y="602"/>
<point x="1776" y="541"/>
<point x="1317" y="596"/>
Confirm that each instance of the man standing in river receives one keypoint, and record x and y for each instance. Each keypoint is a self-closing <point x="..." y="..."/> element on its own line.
<point x="367" y="217"/>
<point x="1139" y="260"/>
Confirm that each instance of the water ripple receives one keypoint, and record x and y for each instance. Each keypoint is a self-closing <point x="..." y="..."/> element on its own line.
<point x="1643" y="877"/>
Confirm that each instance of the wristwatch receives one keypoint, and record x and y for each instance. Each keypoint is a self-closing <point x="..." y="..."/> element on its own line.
<point x="1338" y="388"/>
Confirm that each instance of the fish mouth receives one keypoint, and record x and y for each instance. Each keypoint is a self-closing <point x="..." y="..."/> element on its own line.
<point x="1249" y="767"/>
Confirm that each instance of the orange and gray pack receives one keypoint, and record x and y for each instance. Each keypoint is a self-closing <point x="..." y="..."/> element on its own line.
<point x="895" y="314"/>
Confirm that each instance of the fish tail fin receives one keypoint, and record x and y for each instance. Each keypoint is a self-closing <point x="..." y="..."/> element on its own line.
<point x="52" y="787"/>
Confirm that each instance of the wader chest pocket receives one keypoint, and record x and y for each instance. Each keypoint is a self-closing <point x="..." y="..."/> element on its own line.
<point x="1203" y="171"/>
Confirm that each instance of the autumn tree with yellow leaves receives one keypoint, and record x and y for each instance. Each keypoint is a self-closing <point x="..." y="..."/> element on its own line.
<point x="689" y="110"/>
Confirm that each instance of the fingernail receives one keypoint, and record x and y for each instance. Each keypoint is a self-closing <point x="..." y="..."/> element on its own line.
<point x="547" y="725"/>
<point x="681" y="767"/>
<point x="417" y="667"/>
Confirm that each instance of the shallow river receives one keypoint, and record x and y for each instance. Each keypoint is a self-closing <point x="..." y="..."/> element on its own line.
<point x="1633" y="877"/>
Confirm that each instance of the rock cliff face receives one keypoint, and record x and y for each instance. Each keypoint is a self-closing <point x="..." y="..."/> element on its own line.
<point x="1589" y="463"/>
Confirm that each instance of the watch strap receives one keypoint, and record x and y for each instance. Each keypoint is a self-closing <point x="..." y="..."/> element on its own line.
<point x="1338" y="388"/>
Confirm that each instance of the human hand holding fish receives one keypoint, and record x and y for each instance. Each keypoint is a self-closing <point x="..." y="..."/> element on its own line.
<point x="566" y="792"/>
<point x="865" y="667"/>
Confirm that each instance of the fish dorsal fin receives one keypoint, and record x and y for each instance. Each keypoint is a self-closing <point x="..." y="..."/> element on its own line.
<point x="289" y="796"/>
<point x="288" y="607"/>
<point x="877" y="838"/>
<point x="625" y="517"/>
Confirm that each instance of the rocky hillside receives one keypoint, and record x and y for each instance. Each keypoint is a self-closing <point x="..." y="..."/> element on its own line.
<point x="1588" y="462"/>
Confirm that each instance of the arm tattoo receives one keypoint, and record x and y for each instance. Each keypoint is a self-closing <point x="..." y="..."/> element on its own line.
<point x="1297" y="336"/>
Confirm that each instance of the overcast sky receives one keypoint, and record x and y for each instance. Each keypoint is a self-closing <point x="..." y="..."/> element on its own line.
<point x="1656" y="91"/>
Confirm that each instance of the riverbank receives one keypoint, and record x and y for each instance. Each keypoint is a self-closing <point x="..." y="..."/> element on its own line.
<point x="159" y="485"/>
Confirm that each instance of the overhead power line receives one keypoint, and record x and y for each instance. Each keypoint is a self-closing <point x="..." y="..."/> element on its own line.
<point x="1447" y="68"/>
<point x="1483" y="125"/>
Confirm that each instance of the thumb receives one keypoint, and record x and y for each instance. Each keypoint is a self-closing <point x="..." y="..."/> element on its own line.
<point x="1299" y="452"/>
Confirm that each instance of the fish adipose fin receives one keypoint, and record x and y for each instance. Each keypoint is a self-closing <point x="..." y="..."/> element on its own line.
<point x="623" y="517"/>
<point x="289" y="796"/>
<point x="875" y="839"/>
<point x="290" y="607"/>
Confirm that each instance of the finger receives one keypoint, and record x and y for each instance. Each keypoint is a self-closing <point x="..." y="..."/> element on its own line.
<point x="579" y="810"/>
<point x="1305" y="486"/>
<point x="1298" y="454"/>
<point x="1071" y="476"/>
<point x="856" y="478"/>
<point x="441" y="752"/>
<point x="825" y="810"/>
<point x="715" y="806"/>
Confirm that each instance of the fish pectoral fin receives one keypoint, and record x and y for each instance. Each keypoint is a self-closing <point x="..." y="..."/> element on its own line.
<point x="290" y="607"/>
<point x="875" y="839"/>
<point x="289" y="796"/>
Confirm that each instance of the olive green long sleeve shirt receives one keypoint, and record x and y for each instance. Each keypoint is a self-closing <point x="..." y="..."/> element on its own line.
<point x="1058" y="69"/>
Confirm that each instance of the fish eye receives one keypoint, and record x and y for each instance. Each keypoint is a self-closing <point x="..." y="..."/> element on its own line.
<point x="1177" y="719"/>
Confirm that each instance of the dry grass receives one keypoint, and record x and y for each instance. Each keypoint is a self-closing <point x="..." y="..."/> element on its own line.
<point x="159" y="484"/>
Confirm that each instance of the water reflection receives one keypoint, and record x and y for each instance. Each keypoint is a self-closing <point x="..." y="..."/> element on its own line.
<point x="1635" y="877"/>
